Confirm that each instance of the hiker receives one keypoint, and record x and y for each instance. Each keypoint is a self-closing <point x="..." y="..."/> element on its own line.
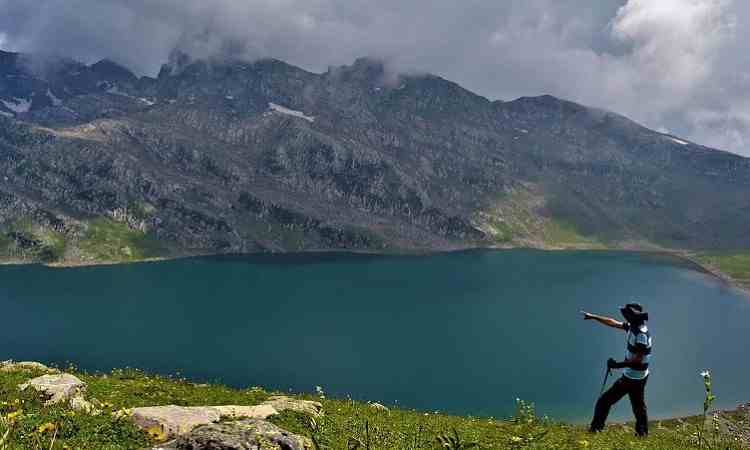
<point x="635" y="375"/>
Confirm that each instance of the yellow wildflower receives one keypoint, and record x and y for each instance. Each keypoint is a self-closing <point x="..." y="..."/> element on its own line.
<point x="516" y="439"/>
<point x="14" y="415"/>
<point x="583" y="444"/>
<point x="46" y="428"/>
<point x="124" y="412"/>
<point x="156" y="433"/>
<point x="106" y="405"/>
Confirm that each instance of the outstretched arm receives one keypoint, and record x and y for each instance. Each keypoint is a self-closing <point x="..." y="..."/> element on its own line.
<point x="608" y="321"/>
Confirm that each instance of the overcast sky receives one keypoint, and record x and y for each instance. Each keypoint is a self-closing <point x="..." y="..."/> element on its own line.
<point x="674" y="65"/>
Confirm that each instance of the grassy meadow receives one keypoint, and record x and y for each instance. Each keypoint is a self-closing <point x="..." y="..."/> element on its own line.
<point x="346" y="424"/>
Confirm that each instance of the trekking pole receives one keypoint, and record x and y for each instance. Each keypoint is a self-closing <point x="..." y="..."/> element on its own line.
<point x="604" y="384"/>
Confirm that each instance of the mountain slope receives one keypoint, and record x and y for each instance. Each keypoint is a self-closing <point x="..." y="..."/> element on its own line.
<point x="237" y="157"/>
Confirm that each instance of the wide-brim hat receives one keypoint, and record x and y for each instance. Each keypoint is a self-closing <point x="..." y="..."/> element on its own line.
<point x="634" y="313"/>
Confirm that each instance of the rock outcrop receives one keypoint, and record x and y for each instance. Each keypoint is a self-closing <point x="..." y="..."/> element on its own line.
<point x="240" y="435"/>
<point x="56" y="388"/>
<point x="175" y="421"/>
<point x="60" y="388"/>
<point x="191" y="428"/>
<point x="26" y="366"/>
<point x="283" y="403"/>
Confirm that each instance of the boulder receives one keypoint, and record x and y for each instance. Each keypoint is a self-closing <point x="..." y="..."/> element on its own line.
<point x="25" y="366"/>
<point x="56" y="388"/>
<point x="379" y="407"/>
<point x="244" y="434"/>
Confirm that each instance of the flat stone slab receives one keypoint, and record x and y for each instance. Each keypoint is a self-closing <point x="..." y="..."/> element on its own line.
<point x="56" y="388"/>
<point x="239" y="435"/>
<point x="174" y="420"/>
<point x="262" y="411"/>
<point x="284" y="403"/>
<point x="179" y="420"/>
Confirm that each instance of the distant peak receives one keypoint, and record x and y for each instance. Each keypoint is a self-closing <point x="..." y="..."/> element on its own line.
<point x="367" y="62"/>
<point x="544" y="98"/>
<point x="106" y="63"/>
<point x="368" y="68"/>
<point x="8" y="58"/>
<point x="546" y="101"/>
<point x="178" y="60"/>
<point x="365" y="70"/>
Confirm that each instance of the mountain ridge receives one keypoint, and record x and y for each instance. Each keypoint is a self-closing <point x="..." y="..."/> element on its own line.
<point x="234" y="157"/>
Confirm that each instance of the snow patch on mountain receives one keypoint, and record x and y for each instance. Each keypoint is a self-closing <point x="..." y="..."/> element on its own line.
<point x="116" y="91"/>
<point x="55" y="101"/>
<point x="290" y="112"/>
<point x="678" y="141"/>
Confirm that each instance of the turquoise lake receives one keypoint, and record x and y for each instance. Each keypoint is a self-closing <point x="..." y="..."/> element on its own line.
<point x="465" y="332"/>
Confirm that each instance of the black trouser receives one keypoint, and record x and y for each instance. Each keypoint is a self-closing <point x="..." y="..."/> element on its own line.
<point x="635" y="389"/>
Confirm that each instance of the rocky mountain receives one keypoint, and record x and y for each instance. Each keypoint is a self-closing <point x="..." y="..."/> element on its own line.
<point x="231" y="156"/>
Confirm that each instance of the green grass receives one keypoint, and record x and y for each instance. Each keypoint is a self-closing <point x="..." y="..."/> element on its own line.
<point x="112" y="392"/>
<point x="5" y="243"/>
<point x="107" y="240"/>
<point x="512" y="218"/>
<point x="561" y="233"/>
<point x="132" y="388"/>
<point x="344" y="424"/>
<point x="51" y="244"/>
<point x="736" y="265"/>
<point x="500" y="230"/>
<point x="346" y="421"/>
<point x="515" y="218"/>
<point x="74" y="430"/>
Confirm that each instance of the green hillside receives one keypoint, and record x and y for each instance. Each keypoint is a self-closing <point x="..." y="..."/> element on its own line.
<point x="344" y="424"/>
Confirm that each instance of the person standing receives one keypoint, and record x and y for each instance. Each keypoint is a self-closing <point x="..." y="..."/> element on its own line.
<point x="636" y="365"/>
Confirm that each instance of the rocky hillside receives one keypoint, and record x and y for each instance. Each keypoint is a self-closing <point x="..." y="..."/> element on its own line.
<point x="215" y="157"/>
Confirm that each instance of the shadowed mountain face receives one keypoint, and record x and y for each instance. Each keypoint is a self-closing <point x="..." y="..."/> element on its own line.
<point x="264" y="156"/>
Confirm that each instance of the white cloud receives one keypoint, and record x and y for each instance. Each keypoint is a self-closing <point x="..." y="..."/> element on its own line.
<point x="675" y="41"/>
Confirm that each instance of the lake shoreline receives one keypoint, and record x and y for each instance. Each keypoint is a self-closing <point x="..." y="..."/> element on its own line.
<point x="714" y="272"/>
<point x="682" y="255"/>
